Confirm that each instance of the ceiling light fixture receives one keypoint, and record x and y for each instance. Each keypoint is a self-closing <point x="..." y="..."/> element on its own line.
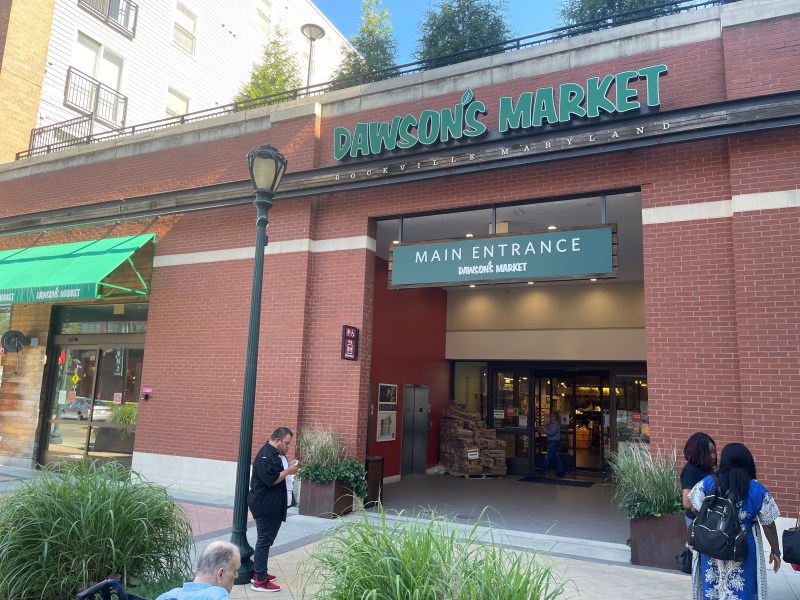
<point x="593" y="279"/>
<point x="552" y="227"/>
<point x="530" y="283"/>
<point x="395" y="242"/>
<point x="472" y="285"/>
<point x="469" y="235"/>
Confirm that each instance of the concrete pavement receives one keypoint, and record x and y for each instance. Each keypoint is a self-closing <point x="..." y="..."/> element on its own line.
<point x="526" y="517"/>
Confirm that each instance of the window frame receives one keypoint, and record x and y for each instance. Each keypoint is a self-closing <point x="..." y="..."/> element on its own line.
<point x="178" y="29"/>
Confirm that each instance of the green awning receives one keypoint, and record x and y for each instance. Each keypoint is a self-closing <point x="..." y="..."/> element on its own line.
<point x="78" y="271"/>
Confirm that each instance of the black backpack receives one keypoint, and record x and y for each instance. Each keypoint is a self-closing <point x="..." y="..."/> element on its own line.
<point x="716" y="531"/>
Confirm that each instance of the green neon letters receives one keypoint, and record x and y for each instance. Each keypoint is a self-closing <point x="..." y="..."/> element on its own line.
<point x="609" y="94"/>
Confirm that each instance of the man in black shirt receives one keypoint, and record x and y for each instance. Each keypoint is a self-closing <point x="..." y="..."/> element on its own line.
<point x="267" y="502"/>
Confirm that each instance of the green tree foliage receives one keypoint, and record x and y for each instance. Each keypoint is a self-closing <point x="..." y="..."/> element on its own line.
<point x="573" y="12"/>
<point x="277" y="72"/>
<point x="457" y="25"/>
<point x="374" y="48"/>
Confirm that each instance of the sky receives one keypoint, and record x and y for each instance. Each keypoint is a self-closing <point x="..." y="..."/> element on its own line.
<point x="524" y="17"/>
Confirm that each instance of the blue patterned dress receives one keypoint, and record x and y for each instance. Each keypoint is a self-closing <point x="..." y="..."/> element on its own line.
<point x="728" y="579"/>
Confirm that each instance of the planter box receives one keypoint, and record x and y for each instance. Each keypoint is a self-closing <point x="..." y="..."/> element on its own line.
<point x="656" y="541"/>
<point x="111" y="440"/>
<point x="328" y="500"/>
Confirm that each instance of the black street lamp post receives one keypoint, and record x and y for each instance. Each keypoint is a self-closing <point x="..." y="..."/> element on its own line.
<point x="267" y="166"/>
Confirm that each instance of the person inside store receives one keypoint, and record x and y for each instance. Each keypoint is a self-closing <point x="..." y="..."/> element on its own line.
<point x="734" y="580"/>
<point x="700" y="453"/>
<point x="553" y="433"/>
<point x="217" y="567"/>
<point x="267" y="503"/>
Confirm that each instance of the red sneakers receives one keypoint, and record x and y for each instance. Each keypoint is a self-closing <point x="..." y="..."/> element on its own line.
<point x="269" y="578"/>
<point x="264" y="585"/>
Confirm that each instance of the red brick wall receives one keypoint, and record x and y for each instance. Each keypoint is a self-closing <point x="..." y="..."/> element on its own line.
<point x="143" y="173"/>
<point x="761" y="58"/>
<point x="767" y="258"/>
<point x="408" y="348"/>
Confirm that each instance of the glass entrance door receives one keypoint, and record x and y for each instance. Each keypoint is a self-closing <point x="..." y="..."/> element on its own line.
<point x="592" y="423"/>
<point x="72" y="404"/>
<point x="555" y="393"/>
<point x="94" y="404"/>
<point x="511" y="410"/>
<point x="632" y="423"/>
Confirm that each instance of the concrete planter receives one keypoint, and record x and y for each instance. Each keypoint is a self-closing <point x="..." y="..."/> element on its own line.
<point x="656" y="541"/>
<point x="328" y="500"/>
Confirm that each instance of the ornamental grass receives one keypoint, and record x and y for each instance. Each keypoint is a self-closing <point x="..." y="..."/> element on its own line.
<point x="646" y="485"/>
<point x="411" y="559"/>
<point x="80" y="523"/>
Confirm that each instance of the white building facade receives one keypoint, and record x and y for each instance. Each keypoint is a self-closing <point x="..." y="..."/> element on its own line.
<point x="127" y="63"/>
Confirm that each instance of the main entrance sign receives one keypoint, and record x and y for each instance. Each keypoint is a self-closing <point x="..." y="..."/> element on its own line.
<point x="569" y="254"/>
<point x="536" y="109"/>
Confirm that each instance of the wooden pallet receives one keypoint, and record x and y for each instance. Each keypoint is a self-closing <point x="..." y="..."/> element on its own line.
<point x="475" y="476"/>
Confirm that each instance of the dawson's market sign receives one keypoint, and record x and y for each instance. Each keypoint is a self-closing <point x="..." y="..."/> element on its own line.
<point x="569" y="254"/>
<point x="610" y="95"/>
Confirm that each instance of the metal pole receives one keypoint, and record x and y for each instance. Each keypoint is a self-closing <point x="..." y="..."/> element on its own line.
<point x="310" y="52"/>
<point x="263" y="203"/>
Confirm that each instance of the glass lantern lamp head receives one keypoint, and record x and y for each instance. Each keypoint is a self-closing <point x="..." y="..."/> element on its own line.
<point x="267" y="166"/>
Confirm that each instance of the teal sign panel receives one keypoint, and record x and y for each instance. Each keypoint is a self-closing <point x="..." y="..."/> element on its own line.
<point x="548" y="255"/>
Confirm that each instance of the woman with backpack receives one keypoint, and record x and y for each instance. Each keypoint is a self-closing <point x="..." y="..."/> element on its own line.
<point x="732" y="579"/>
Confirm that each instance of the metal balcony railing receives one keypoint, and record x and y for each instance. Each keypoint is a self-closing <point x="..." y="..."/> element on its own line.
<point x="57" y="136"/>
<point x="551" y="35"/>
<point x="118" y="14"/>
<point x="87" y="95"/>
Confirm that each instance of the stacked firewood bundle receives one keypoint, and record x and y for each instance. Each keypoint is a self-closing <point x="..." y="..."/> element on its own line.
<point x="468" y="448"/>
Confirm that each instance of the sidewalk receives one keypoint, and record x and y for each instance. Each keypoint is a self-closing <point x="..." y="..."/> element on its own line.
<point x="597" y="569"/>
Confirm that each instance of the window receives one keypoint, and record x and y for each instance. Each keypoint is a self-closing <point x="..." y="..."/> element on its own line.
<point x="119" y="14"/>
<point x="177" y="103"/>
<point x="93" y="82"/>
<point x="185" y="28"/>
<point x="98" y="62"/>
<point x="264" y="15"/>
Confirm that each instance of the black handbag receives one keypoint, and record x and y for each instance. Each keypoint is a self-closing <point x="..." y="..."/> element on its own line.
<point x="791" y="544"/>
<point x="684" y="560"/>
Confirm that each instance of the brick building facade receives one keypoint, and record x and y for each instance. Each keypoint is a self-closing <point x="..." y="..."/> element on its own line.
<point x="712" y="168"/>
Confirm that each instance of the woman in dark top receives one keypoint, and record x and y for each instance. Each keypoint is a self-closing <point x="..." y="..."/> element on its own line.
<point x="700" y="453"/>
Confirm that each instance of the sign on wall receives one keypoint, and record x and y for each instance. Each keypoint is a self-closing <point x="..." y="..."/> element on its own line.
<point x="611" y="94"/>
<point x="349" y="342"/>
<point x="566" y="254"/>
<point x="387" y="413"/>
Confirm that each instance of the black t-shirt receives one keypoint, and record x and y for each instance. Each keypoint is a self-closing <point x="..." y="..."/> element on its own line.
<point x="690" y="475"/>
<point x="267" y="499"/>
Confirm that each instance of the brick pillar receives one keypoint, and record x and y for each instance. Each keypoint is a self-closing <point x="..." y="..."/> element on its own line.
<point x="20" y="392"/>
<point x="24" y="41"/>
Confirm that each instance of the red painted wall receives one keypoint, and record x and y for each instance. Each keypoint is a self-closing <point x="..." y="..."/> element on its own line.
<point x="408" y="348"/>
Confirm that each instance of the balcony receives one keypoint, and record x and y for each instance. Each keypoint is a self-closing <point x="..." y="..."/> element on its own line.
<point x="117" y="14"/>
<point x="90" y="97"/>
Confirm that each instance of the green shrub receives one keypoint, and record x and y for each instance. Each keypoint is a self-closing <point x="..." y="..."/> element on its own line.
<point x="646" y="485"/>
<point x="154" y="589"/>
<point x="321" y="452"/>
<point x="80" y="523"/>
<point x="413" y="559"/>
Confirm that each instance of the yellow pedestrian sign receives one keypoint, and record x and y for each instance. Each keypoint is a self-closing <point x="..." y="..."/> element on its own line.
<point x="75" y="378"/>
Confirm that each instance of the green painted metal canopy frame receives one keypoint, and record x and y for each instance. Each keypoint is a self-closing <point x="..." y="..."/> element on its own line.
<point x="78" y="271"/>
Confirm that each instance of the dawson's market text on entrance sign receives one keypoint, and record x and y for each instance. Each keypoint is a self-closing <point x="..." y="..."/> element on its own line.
<point x="550" y="255"/>
<point x="532" y="110"/>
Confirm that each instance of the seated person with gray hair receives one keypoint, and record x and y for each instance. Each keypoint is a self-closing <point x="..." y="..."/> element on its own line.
<point x="217" y="566"/>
